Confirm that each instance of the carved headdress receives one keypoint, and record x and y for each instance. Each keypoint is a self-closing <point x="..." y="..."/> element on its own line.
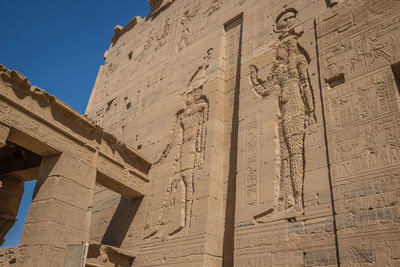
<point x="286" y="23"/>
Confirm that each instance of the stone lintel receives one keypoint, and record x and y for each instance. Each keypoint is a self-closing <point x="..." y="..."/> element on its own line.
<point x="45" y="125"/>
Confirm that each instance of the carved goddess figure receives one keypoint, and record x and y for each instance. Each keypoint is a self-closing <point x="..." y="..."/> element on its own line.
<point x="289" y="79"/>
<point x="189" y="135"/>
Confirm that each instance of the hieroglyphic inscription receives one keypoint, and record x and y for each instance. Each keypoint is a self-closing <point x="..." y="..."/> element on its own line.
<point x="346" y="57"/>
<point x="351" y="53"/>
<point x="361" y="100"/>
<point x="110" y="77"/>
<point x="363" y="125"/>
<point x="251" y="168"/>
<point x="365" y="147"/>
<point x="368" y="201"/>
<point x="162" y="37"/>
<point x="171" y="254"/>
<point x="155" y="40"/>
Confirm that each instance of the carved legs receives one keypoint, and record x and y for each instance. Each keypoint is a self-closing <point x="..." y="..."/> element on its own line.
<point x="187" y="177"/>
<point x="168" y="201"/>
<point x="297" y="179"/>
<point x="285" y="199"/>
<point x="292" y="161"/>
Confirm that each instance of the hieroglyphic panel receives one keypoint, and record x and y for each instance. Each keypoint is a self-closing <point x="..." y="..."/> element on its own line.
<point x="344" y="57"/>
<point x="362" y="121"/>
<point x="351" y="51"/>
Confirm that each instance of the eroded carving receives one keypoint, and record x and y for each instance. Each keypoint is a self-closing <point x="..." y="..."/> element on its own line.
<point x="108" y="256"/>
<point x="189" y="134"/>
<point x="290" y="82"/>
<point x="147" y="45"/>
<point x="184" y="34"/>
<point x="215" y="5"/>
<point x="155" y="40"/>
<point x="162" y="37"/>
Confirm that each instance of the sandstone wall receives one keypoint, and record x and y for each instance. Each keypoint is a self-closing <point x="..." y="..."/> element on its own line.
<point x="273" y="127"/>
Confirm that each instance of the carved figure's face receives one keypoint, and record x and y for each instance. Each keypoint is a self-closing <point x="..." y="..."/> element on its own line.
<point x="286" y="21"/>
<point x="193" y="96"/>
<point x="189" y="99"/>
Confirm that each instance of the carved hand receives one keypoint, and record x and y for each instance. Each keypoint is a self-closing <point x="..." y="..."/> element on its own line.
<point x="283" y="97"/>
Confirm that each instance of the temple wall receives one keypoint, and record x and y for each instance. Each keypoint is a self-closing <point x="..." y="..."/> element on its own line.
<point x="273" y="129"/>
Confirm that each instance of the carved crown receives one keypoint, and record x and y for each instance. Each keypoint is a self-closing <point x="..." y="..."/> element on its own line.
<point x="156" y="6"/>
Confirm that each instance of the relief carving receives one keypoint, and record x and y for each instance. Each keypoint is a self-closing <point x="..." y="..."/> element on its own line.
<point x="251" y="164"/>
<point x="361" y="100"/>
<point x="162" y="38"/>
<point x="380" y="48"/>
<point x="365" y="147"/>
<point x="184" y="34"/>
<point x="289" y="81"/>
<point x="155" y="40"/>
<point x="215" y="5"/>
<point x="108" y="256"/>
<point x="110" y="78"/>
<point x="189" y="135"/>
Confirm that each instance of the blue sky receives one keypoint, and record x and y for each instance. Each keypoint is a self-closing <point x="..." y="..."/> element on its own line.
<point x="59" y="46"/>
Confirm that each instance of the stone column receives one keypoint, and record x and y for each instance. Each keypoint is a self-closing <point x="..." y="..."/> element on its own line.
<point x="11" y="190"/>
<point x="4" y="131"/>
<point x="59" y="214"/>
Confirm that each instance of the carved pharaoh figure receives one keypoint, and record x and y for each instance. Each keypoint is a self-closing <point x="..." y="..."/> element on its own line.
<point x="289" y="79"/>
<point x="189" y="135"/>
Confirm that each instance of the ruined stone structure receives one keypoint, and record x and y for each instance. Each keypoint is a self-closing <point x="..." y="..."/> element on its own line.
<point x="218" y="133"/>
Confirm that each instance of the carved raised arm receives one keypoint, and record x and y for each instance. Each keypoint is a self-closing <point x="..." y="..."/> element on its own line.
<point x="261" y="88"/>
<point x="176" y="136"/>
